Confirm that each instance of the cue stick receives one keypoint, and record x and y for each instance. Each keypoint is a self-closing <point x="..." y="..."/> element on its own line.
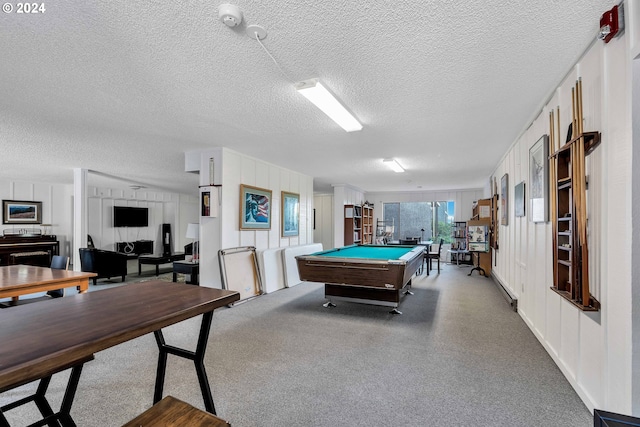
<point x="579" y="102"/>
<point x="554" y="186"/>
<point x="573" y="113"/>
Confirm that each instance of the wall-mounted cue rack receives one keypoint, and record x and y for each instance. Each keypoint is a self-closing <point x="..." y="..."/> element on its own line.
<point x="568" y="204"/>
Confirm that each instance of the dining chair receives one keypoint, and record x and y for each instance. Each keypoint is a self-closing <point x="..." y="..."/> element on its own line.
<point x="431" y="255"/>
<point x="58" y="262"/>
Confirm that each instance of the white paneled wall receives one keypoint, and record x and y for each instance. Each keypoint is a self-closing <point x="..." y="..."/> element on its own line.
<point x="232" y="170"/>
<point x="164" y="208"/>
<point x="591" y="349"/>
<point x="57" y="208"/>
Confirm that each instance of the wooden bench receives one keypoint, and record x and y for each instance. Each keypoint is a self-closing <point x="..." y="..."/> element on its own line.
<point x="172" y="412"/>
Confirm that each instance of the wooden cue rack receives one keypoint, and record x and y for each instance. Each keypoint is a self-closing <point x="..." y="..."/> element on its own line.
<point x="568" y="205"/>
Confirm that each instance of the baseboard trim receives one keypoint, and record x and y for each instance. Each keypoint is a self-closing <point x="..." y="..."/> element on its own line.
<point x="512" y="300"/>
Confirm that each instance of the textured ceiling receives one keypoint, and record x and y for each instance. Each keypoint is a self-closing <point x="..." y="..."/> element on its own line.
<point x="125" y="88"/>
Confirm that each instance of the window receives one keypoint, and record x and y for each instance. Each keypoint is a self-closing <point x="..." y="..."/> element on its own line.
<point x="424" y="220"/>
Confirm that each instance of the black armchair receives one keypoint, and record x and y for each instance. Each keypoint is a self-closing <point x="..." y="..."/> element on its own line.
<point x="106" y="264"/>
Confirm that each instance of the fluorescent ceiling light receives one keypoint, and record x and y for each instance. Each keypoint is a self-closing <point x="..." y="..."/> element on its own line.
<point x="323" y="99"/>
<point x="394" y="165"/>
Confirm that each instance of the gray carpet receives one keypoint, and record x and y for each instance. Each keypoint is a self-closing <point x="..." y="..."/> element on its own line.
<point x="457" y="356"/>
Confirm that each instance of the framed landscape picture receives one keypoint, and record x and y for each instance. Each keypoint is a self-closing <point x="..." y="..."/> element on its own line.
<point x="539" y="180"/>
<point x="255" y="208"/>
<point x="21" y="212"/>
<point x="504" y="200"/>
<point x="290" y="214"/>
<point x="519" y="201"/>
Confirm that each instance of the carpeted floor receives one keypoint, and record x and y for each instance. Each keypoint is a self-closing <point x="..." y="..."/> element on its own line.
<point x="457" y="356"/>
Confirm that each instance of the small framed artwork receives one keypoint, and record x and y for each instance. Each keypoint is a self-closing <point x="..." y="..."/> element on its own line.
<point x="539" y="180"/>
<point x="255" y="208"/>
<point x="290" y="214"/>
<point x="504" y="200"/>
<point x="519" y="201"/>
<point x="21" y="212"/>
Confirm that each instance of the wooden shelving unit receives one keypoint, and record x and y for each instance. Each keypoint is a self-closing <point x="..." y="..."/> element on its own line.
<point x="569" y="218"/>
<point x="459" y="235"/>
<point x="367" y="224"/>
<point x="569" y="209"/>
<point x="352" y="224"/>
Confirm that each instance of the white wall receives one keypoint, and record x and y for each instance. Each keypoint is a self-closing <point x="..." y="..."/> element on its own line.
<point x="231" y="170"/>
<point x="57" y="210"/>
<point x="164" y="208"/>
<point x="324" y="231"/>
<point x="57" y="207"/>
<point x="593" y="350"/>
<point x="343" y="195"/>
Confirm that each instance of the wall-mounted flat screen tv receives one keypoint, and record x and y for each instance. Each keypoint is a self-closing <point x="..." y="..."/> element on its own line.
<point x="125" y="216"/>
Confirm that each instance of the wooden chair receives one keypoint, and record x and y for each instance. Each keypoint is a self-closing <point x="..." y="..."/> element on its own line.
<point x="58" y="262"/>
<point x="431" y="255"/>
<point x="172" y="412"/>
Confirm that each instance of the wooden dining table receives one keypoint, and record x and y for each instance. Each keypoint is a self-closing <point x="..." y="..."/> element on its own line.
<point x="43" y="338"/>
<point x="17" y="280"/>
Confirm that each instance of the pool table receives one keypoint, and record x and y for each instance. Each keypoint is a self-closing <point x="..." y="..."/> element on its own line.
<point x="370" y="274"/>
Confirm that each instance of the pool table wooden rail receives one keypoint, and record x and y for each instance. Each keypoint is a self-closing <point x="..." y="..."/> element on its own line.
<point x="364" y="280"/>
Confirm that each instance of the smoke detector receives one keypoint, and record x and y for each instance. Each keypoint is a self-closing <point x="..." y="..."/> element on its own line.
<point x="230" y="15"/>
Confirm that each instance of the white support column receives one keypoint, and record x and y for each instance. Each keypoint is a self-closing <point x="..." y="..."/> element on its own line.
<point x="80" y="217"/>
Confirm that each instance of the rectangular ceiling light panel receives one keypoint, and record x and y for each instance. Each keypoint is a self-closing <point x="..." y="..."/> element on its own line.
<point x="323" y="99"/>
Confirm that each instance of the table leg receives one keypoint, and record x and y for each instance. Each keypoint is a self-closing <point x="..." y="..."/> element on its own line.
<point x="197" y="357"/>
<point x="139" y="268"/>
<point x="51" y="419"/>
<point x="175" y="276"/>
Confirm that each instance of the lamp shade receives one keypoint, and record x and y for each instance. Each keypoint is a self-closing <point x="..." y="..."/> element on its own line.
<point x="193" y="231"/>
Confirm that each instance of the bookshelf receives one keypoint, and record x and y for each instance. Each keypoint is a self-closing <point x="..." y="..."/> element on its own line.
<point x="367" y="224"/>
<point x="352" y="224"/>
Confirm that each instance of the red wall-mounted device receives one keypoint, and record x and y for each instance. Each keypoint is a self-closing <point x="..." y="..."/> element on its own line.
<point x="611" y="23"/>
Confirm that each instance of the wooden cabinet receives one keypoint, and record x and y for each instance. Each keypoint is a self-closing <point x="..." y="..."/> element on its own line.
<point x="482" y="209"/>
<point x="352" y="224"/>
<point x="569" y="221"/>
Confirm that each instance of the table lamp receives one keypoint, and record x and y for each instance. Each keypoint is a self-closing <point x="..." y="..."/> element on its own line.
<point x="193" y="232"/>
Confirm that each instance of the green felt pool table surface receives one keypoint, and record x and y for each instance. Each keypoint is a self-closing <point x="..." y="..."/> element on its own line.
<point x="367" y="252"/>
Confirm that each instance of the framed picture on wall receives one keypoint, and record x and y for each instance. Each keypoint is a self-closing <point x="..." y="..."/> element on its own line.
<point x="519" y="201"/>
<point x="539" y="180"/>
<point x="21" y="212"/>
<point x="290" y="214"/>
<point x="504" y="200"/>
<point x="255" y="208"/>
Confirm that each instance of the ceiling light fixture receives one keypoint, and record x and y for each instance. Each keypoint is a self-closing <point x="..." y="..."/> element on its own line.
<point x="315" y="92"/>
<point x="394" y="165"/>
